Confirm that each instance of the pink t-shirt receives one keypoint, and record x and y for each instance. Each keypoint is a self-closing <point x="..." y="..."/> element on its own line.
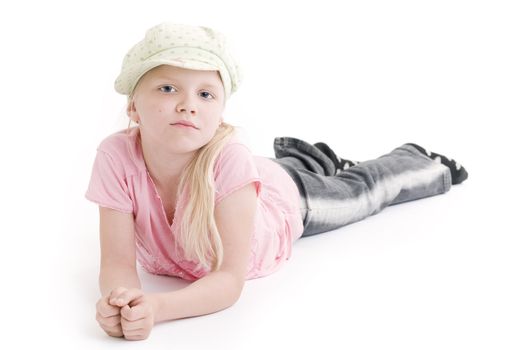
<point x="121" y="181"/>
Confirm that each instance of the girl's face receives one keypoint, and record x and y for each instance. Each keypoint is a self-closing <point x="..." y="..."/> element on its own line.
<point x="166" y="95"/>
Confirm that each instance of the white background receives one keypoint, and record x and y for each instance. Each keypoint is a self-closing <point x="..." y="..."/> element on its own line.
<point x="363" y="76"/>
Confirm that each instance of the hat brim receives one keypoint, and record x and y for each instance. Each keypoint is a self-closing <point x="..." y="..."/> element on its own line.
<point x="129" y="78"/>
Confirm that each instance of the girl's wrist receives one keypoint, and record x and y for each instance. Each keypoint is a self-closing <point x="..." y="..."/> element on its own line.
<point x="154" y="299"/>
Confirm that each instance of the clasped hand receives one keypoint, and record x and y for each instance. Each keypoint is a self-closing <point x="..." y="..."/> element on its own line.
<point x="126" y="313"/>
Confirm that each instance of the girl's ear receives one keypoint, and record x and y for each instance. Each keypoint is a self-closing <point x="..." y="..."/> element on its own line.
<point x="132" y="111"/>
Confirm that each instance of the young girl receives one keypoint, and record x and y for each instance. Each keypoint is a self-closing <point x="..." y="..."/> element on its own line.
<point x="185" y="197"/>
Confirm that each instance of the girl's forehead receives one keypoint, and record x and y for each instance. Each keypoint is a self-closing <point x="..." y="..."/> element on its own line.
<point x="174" y="72"/>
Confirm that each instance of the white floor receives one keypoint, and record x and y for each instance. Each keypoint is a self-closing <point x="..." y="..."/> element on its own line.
<point x="446" y="272"/>
<point x="440" y="273"/>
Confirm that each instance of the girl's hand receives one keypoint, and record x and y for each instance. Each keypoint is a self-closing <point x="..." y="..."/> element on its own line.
<point x="123" y="296"/>
<point x="108" y="317"/>
<point x="136" y="311"/>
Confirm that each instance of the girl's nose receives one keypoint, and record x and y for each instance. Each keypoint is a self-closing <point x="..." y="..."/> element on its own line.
<point x="186" y="105"/>
<point x="183" y="109"/>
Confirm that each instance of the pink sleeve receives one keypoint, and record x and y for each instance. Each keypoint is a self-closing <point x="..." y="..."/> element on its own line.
<point x="108" y="186"/>
<point x="235" y="169"/>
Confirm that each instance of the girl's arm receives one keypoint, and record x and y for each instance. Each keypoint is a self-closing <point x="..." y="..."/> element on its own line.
<point x="218" y="290"/>
<point x="117" y="251"/>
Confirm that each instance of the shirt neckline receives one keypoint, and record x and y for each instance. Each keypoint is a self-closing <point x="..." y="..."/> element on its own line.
<point x="139" y="159"/>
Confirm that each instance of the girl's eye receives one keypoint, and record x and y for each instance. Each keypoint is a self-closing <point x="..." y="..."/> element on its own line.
<point x="167" y="88"/>
<point x="207" y="95"/>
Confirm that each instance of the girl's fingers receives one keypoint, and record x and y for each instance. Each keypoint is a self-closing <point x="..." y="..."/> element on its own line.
<point x="114" y="332"/>
<point x="108" y="322"/>
<point x="110" y="325"/>
<point x="133" y="327"/>
<point x="134" y="313"/>
<point x="138" y="336"/>
<point x="136" y="333"/>
<point x="105" y="309"/>
<point x="125" y="297"/>
<point x="116" y="292"/>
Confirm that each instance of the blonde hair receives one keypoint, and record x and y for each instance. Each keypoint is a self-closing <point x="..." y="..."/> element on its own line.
<point x="199" y="238"/>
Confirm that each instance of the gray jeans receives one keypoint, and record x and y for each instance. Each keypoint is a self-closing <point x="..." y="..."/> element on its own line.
<point x="332" y="199"/>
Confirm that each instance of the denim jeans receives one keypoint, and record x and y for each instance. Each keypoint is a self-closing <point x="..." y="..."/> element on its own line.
<point x="332" y="198"/>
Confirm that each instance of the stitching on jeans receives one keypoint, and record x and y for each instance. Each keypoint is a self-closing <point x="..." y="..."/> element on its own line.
<point x="447" y="180"/>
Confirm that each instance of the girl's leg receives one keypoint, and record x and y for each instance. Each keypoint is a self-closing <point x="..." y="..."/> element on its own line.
<point x="332" y="198"/>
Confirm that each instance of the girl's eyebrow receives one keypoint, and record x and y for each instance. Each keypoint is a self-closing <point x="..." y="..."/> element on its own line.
<point x="210" y="86"/>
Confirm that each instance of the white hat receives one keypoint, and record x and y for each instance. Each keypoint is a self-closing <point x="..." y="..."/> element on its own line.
<point x="179" y="45"/>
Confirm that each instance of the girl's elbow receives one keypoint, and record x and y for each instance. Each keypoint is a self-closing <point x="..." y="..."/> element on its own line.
<point x="236" y="284"/>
